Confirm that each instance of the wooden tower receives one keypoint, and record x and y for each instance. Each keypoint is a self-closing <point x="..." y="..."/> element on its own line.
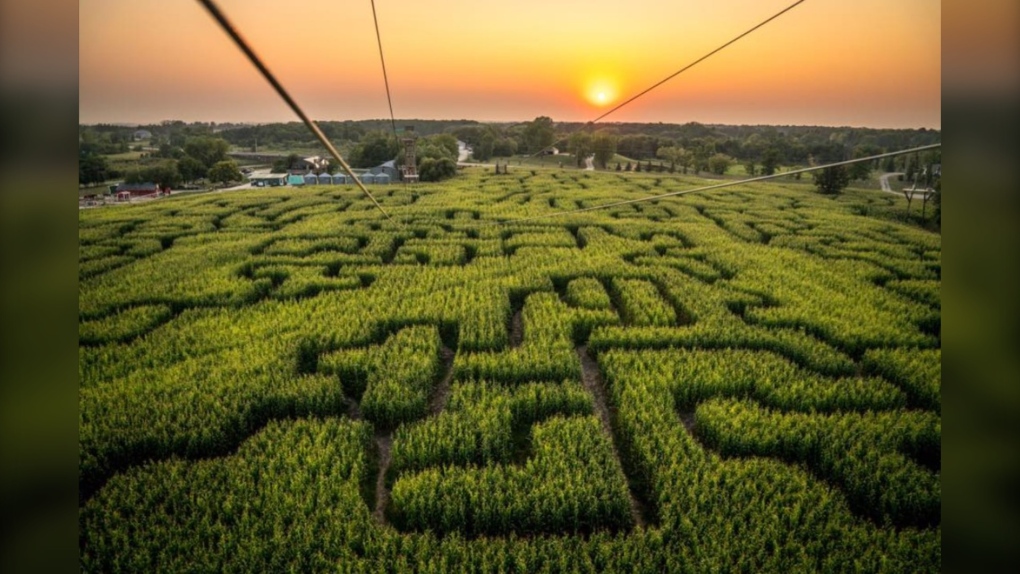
<point x="410" y="169"/>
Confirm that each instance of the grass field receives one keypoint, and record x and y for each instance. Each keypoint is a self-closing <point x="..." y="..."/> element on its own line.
<point x="283" y="380"/>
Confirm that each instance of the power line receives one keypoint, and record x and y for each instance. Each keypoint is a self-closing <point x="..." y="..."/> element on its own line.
<point x="386" y="80"/>
<point x="243" y="45"/>
<point x="680" y="71"/>
<point x="722" y="185"/>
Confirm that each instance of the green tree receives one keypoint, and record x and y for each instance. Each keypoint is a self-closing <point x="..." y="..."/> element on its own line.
<point x="580" y="145"/>
<point x="92" y="169"/>
<point x="165" y="174"/>
<point x="539" y="134"/>
<point x="283" y="164"/>
<point x="225" y="172"/>
<point x="832" y="180"/>
<point x="605" y="148"/>
<point x="449" y="142"/>
<point x="375" y="147"/>
<point x="482" y="149"/>
<point x="504" y="147"/>
<point x="191" y="169"/>
<point x="719" y="163"/>
<point x="432" y="169"/>
<point x="206" y="149"/>
<point x="769" y="161"/>
<point x="862" y="171"/>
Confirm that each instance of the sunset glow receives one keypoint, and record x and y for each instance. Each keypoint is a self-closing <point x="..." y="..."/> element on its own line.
<point x="601" y="92"/>
<point x="477" y="60"/>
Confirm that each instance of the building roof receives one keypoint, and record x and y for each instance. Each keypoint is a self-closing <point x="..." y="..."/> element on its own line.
<point x="137" y="187"/>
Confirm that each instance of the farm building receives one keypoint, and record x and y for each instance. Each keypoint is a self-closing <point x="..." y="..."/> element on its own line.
<point x="295" y="179"/>
<point x="311" y="162"/>
<point x="270" y="180"/>
<point x="137" y="189"/>
<point x="311" y="179"/>
<point x="382" y="178"/>
<point x="389" y="168"/>
<point x="367" y="177"/>
<point x="325" y="179"/>
<point x="339" y="179"/>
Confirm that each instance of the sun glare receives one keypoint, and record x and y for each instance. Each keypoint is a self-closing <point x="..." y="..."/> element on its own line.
<point x="600" y="92"/>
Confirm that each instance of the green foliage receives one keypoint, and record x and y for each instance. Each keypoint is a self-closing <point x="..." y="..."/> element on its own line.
<point x="164" y="173"/>
<point x="225" y="172"/>
<point x="284" y="380"/>
<point x="207" y="150"/>
<point x="832" y="180"/>
<point x="374" y="148"/>
<point x="430" y="169"/>
<point x="192" y="169"/>
<point x="394" y="380"/>
<point x="604" y="147"/>
<point x="580" y="145"/>
<point x="92" y="169"/>
<point x="539" y="134"/>
<point x="571" y="485"/>
<point x="719" y="163"/>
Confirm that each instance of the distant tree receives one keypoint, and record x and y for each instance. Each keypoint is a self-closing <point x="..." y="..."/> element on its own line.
<point x="637" y="166"/>
<point x="605" y="148"/>
<point x="629" y="167"/>
<point x="580" y="144"/>
<point x="862" y="171"/>
<point x="539" y="134"/>
<point x="719" y="163"/>
<point x="449" y="142"/>
<point x="432" y="169"/>
<point x="191" y="169"/>
<point x="283" y="164"/>
<point x="504" y="147"/>
<point x="889" y="164"/>
<point x="769" y="161"/>
<point x="92" y="169"/>
<point x="832" y="180"/>
<point x="208" y="150"/>
<point x="618" y="167"/>
<point x="224" y="172"/>
<point x="749" y="167"/>
<point x="165" y="174"/>
<point x="374" y="148"/>
<point x="911" y="170"/>
<point x="937" y="201"/>
<point x="482" y="149"/>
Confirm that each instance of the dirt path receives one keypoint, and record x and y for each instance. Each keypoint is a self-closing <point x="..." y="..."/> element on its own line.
<point x="884" y="180"/>
<point x="442" y="394"/>
<point x="592" y="380"/>
<point x="516" y="330"/>
<point x="384" y="442"/>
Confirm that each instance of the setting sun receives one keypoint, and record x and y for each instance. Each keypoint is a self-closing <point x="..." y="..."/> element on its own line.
<point x="600" y="92"/>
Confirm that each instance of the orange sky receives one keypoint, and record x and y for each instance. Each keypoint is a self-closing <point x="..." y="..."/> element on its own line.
<point x="830" y="62"/>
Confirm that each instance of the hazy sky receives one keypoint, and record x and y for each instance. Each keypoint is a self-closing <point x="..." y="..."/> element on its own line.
<point x="830" y="62"/>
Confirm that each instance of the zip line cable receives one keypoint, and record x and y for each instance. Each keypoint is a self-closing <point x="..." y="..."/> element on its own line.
<point x="722" y="185"/>
<point x="677" y="73"/>
<point x="386" y="80"/>
<point x="243" y="45"/>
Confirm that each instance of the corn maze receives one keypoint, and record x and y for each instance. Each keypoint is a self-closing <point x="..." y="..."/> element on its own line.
<point x="283" y="380"/>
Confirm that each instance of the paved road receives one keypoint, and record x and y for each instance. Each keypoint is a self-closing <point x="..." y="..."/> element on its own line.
<point x="884" y="180"/>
